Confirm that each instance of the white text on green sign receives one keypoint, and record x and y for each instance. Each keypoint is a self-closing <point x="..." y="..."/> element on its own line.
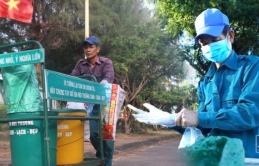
<point x="22" y="57"/>
<point x="68" y="88"/>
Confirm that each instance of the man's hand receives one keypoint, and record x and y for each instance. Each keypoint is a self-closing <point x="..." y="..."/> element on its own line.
<point x="186" y="118"/>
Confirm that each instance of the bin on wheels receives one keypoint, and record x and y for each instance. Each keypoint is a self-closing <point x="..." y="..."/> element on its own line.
<point x="27" y="139"/>
<point x="70" y="140"/>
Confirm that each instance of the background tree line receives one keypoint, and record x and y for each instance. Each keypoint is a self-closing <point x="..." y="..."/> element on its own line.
<point x="142" y="43"/>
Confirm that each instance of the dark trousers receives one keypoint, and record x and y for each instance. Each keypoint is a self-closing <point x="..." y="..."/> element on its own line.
<point x="108" y="146"/>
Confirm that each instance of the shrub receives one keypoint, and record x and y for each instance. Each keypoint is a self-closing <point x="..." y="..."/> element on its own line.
<point x="3" y="115"/>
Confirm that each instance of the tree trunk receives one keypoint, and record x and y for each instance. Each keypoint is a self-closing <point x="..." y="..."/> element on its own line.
<point x="127" y="127"/>
<point x="184" y="102"/>
<point x="38" y="70"/>
<point x="127" y="124"/>
<point x="155" y="127"/>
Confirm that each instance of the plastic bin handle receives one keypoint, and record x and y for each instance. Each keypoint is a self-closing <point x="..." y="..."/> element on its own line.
<point x="88" y="76"/>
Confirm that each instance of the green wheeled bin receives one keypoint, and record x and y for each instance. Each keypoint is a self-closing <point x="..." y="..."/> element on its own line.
<point x="27" y="139"/>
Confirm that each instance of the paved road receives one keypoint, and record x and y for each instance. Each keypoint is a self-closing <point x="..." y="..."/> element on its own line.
<point x="163" y="154"/>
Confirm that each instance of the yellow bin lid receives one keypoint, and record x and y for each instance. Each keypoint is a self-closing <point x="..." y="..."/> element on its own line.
<point x="71" y="112"/>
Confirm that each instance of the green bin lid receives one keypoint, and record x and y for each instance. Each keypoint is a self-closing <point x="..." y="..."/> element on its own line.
<point x="68" y="110"/>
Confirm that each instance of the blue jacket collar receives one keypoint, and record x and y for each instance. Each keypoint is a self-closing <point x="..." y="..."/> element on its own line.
<point x="231" y="62"/>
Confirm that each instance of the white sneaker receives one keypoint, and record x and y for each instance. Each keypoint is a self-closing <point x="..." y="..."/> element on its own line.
<point x="86" y="140"/>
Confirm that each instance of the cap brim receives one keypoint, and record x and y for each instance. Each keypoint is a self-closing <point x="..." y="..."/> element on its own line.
<point x="89" y="42"/>
<point x="214" y="31"/>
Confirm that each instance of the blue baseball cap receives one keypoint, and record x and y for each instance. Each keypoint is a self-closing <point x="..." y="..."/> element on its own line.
<point x="211" y="22"/>
<point x="91" y="40"/>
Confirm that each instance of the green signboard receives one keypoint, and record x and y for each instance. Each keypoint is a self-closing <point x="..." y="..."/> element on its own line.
<point x="69" y="88"/>
<point x="22" y="57"/>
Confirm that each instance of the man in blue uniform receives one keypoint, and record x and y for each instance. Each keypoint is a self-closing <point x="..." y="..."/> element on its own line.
<point x="229" y="92"/>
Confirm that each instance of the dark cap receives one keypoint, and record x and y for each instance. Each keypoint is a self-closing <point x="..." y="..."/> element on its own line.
<point x="91" y="40"/>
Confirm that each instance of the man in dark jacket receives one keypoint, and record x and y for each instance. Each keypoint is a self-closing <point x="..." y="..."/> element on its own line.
<point x="102" y="69"/>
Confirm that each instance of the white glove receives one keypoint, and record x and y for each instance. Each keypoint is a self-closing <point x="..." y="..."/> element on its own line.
<point x="155" y="116"/>
<point x="103" y="82"/>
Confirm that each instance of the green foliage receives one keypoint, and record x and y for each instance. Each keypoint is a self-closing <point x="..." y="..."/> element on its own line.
<point x="118" y="18"/>
<point x="168" y="95"/>
<point x="3" y="111"/>
<point x="143" y="58"/>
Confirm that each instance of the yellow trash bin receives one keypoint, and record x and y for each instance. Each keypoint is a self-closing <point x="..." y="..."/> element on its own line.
<point x="70" y="138"/>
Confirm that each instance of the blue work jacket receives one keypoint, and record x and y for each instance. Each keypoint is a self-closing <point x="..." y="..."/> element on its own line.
<point x="229" y="101"/>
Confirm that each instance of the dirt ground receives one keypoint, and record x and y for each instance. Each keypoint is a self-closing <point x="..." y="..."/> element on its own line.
<point x="5" y="150"/>
<point x="4" y="145"/>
